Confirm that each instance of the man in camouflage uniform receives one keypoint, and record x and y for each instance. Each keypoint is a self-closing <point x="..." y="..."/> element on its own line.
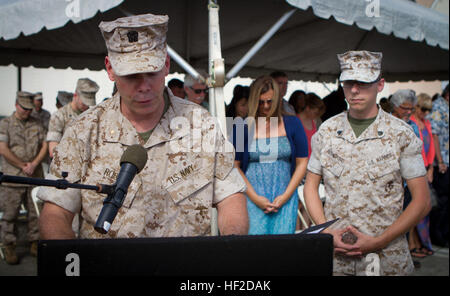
<point x="39" y="112"/>
<point x="22" y="148"/>
<point x="362" y="156"/>
<point x="43" y="116"/>
<point x="190" y="164"/>
<point x="83" y="98"/>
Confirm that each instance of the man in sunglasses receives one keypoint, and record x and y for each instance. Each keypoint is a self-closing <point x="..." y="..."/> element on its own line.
<point x="196" y="90"/>
<point x="22" y="149"/>
<point x="363" y="156"/>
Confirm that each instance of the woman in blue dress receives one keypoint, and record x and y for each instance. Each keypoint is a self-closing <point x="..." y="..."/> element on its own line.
<point x="271" y="153"/>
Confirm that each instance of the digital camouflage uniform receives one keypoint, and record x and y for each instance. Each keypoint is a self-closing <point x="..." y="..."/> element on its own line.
<point x="59" y="122"/>
<point x="363" y="176"/>
<point x="172" y="196"/>
<point x="86" y="89"/>
<point x="363" y="182"/>
<point x="43" y="115"/>
<point x="24" y="139"/>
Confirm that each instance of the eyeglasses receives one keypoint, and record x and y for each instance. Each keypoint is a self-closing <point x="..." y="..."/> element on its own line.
<point x="425" y="110"/>
<point x="199" y="91"/>
<point x="262" y="102"/>
<point x="407" y="109"/>
<point x="361" y="85"/>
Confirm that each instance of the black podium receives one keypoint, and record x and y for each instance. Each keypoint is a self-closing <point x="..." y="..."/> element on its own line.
<point x="265" y="255"/>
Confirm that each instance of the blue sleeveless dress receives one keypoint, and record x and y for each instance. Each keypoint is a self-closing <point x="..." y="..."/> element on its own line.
<point x="269" y="173"/>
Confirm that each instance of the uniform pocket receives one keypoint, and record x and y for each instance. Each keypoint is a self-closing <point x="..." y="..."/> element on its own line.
<point x="332" y="159"/>
<point x="182" y="190"/>
<point x="334" y="167"/>
<point x="382" y="169"/>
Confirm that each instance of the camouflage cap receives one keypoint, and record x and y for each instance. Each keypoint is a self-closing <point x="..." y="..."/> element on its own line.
<point x="25" y="99"/>
<point x="136" y="44"/>
<point x="364" y="66"/>
<point x="87" y="89"/>
<point x="38" y="96"/>
<point x="64" y="97"/>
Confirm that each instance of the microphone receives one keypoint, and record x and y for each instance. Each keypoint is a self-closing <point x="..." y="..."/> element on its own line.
<point x="133" y="160"/>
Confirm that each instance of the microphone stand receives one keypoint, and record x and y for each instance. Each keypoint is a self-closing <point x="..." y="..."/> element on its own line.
<point x="111" y="203"/>
<point x="59" y="183"/>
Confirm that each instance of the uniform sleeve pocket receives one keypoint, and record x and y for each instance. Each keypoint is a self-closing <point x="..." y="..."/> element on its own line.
<point x="334" y="167"/>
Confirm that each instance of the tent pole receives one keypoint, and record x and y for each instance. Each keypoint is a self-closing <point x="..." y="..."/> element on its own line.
<point x="183" y="64"/>
<point x="263" y="40"/>
<point x="19" y="78"/>
<point x="216" y="82"/>
<point x="216" y="66"/>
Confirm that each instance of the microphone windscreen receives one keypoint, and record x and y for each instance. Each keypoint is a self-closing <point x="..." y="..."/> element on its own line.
<point x="135" y="154"/>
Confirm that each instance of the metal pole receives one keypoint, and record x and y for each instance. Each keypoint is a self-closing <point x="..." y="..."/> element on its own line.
<point x="263" y="40"/>
<point x="435" y="2"/>
<point x="217" y="81"/>
<point x="216" y="67"/>
<point x="19" y="78"/>
<point x="185" y="65"/>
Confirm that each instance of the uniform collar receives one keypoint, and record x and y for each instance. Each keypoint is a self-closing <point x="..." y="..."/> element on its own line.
<point x="376" y="130"/>
<point x="119" y="128"/>
<point x="20" y="121"/>
<point x="163" y="132"/>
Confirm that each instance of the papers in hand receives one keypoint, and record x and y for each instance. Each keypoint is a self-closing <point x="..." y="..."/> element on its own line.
<point x="318" y="228"/>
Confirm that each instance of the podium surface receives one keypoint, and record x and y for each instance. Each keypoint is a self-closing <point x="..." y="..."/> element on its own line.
<point x="250" y="255"/>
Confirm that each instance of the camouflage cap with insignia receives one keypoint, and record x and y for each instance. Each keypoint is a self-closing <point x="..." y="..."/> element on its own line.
<point x="363" y="66"/>
<point x="38" y="96"/>
<point x="25" y="99"/>
<point x="136" y="44"/>
<point x="87" y="89"/>
<point x="64" y="97"/>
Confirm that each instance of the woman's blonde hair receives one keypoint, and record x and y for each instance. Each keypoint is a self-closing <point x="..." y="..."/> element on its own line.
<point x="260" y="86"/>
<point x="424" y="100"/>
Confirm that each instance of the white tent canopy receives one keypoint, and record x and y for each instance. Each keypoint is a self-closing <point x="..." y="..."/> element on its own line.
<point x="413" y="39"/>
<point x="401" y="18"/>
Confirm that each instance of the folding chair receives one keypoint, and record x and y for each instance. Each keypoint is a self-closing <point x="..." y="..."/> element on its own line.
<point x="35" y="199"/>
<point x="45" y="168"/>
<point x="322" y="193"/>
<point x="302" y="201"/>
<point x="322" y="196"/>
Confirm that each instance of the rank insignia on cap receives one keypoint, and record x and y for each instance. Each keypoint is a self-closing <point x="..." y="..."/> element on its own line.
<point x="133" y="36"/>
<point x="136" y="44"/>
